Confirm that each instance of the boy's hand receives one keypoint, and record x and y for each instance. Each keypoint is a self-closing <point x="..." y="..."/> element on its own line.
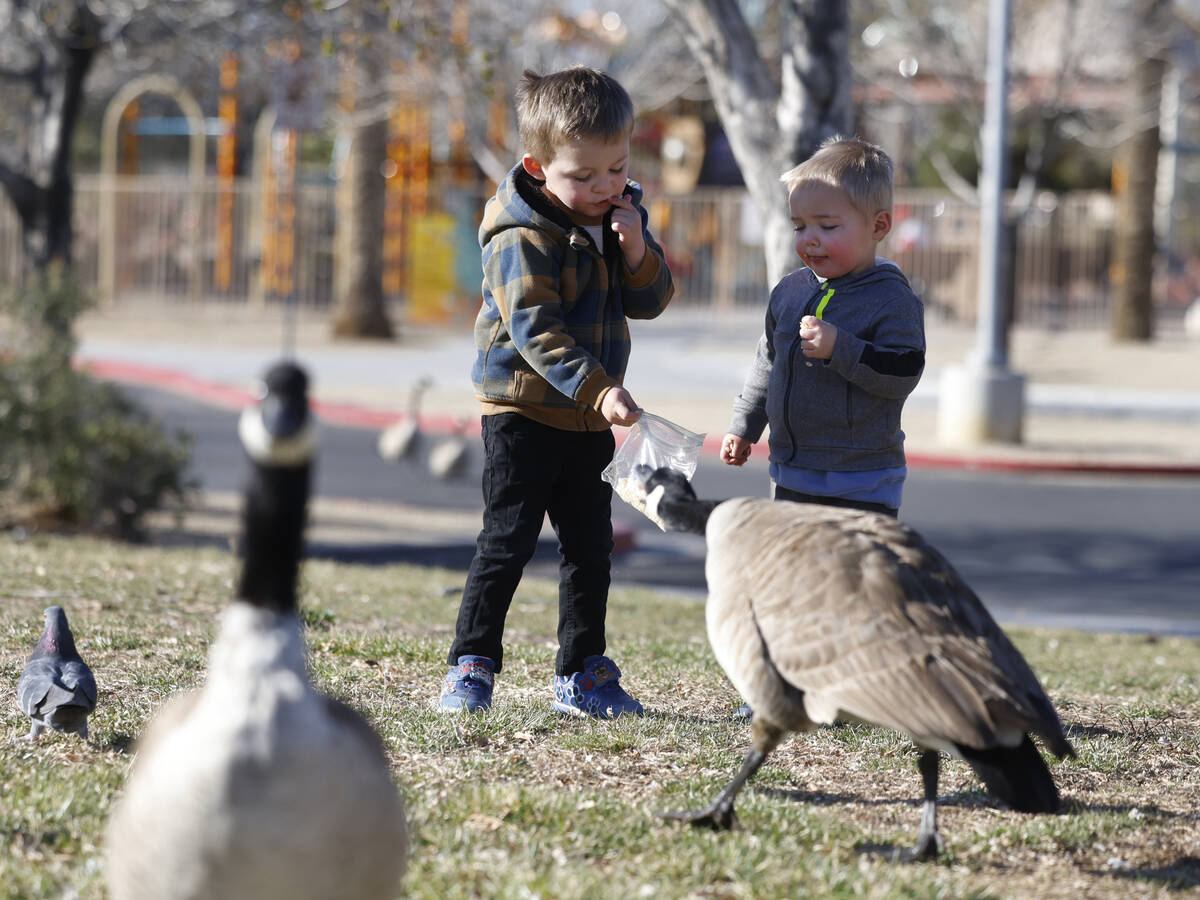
<point x="619" y="408"/>
<point x="735" y="450"/>
<point x="627" y="223"/>
<point x="817" y="338"/>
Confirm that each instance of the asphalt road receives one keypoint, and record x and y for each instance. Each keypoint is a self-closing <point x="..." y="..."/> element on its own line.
<point x="1086" y="552"/>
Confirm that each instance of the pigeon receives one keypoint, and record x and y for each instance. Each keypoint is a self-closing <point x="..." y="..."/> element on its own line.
<point x="56" y="689"/>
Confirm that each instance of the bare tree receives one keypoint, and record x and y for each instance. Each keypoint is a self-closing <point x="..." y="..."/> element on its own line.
<point x="1063" y="52"/>
<point x="1134" y="171"/>
<point x="464" y="59"/>
<point x="777" y="95"/>
<point x="49" y="58"/>
<point x="48" y="49"/>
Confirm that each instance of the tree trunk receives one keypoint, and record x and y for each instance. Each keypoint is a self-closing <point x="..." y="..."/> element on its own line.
<point x="772" y="128"/>
<point x="1134" y="173"/>
<point x="358" y="286"/>
<point x="45" y="197"/>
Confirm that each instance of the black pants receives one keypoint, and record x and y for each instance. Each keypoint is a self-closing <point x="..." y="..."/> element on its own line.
<point x="531" y="471"/>
<point x="782" y="493"/>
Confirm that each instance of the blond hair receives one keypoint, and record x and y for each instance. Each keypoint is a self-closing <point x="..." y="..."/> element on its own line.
<point x="574" y="103"/>
<point x="860" y="168"/>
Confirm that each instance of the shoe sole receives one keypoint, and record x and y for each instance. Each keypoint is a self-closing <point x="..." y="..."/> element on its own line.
<point x="462" y="708"/>
<point x="584" y="714"/>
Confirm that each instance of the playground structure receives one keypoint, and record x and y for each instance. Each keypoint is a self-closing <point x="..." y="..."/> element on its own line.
<point x="266" y="237"/>
<point x="269" y="234"/>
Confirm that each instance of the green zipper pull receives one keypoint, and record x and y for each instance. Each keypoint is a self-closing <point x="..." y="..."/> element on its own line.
<point x="824" y="302"/>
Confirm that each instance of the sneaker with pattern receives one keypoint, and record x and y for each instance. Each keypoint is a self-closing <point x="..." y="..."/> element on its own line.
<point x="468" y="685"/>
<point x="595" y="692"/>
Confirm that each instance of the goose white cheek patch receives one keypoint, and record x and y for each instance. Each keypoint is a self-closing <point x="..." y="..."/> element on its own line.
<point x="633" y="492"/>
<point x="651" y="510"/>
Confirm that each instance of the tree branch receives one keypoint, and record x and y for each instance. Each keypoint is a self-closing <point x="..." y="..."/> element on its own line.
<point x="29" y="74"/>
<point x="21" y="190"/>
<point x="960" y="187"/>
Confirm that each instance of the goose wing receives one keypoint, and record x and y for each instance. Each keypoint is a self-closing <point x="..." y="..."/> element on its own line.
<point x="869" y="621"/>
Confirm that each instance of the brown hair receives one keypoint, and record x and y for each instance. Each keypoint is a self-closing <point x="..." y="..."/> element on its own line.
<point x="579" y="102"/>
<point x="858" y="167"/>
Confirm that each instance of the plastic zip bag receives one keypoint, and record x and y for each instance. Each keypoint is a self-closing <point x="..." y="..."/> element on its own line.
<point x="655" y="442"/>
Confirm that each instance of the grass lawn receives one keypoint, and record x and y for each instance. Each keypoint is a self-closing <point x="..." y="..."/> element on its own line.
<point x="524" y="803"/>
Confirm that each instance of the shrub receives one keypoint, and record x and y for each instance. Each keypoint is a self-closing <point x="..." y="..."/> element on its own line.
<point x="75" y="453"/>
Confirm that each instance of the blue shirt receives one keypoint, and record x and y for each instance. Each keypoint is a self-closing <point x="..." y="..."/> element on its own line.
<point x="883" y="486"/>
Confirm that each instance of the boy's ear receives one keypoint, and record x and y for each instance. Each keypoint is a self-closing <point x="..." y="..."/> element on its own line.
<point x="534" y="168"/>
<point x="882" y="224"/>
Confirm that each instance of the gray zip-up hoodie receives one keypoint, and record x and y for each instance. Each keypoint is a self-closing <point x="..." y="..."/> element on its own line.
<point x="840" y="414"/>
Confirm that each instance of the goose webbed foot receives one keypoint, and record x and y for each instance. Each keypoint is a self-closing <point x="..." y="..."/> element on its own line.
<point x="929" y="846"/>
<point x="718" y="816"/>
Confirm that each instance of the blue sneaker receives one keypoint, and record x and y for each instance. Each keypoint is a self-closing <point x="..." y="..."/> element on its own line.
<point x="594" y="692"/>
<point x="468" y="685"/>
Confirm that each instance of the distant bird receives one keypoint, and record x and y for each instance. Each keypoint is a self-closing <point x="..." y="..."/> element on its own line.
<point x="56" y="689"/>
<point x="450" y="456"/>
<point x="1191" y="319"/>
<point x="401" y="439"/>
<point x="256" y="785"/>
<point x="820" y="614"/>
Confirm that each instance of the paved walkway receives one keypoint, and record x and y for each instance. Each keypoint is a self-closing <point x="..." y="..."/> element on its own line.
<point x="1090" y="404"/>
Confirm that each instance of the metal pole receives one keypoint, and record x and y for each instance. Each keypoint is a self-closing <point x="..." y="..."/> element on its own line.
<point x="991" y="349"/>
<point x="983" y="401"/>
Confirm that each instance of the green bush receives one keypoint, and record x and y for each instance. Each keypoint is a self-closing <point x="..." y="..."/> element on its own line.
<point x="75" y="453"/>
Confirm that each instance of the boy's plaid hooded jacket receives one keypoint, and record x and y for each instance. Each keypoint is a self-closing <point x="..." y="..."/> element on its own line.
<point x="551" y="336"/>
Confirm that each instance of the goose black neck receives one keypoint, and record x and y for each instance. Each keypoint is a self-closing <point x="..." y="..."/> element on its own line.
<point x="274" y="511"/>
<point x="686" y="514"/>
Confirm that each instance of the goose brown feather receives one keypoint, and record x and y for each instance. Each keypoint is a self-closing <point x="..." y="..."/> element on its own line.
<point x="819" y="614"/>
<point x="870" y="622"/>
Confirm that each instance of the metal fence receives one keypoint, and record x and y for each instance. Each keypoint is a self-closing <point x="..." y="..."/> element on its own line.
<point x="167" y="245"/>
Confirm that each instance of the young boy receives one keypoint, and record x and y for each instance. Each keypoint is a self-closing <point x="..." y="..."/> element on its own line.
<point x="566" y="257"/>
<point x="844" y="343"/>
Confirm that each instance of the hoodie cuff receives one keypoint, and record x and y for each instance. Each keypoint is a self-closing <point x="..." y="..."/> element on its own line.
<point x="847" y="351"/>
<point x="594" y="387"/>
<point x="647" y="271"/>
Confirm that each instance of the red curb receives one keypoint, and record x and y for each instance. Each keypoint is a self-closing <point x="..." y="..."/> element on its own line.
<point x="624" y="537"/>
<point x="228" y="397"/>
<point x="1082" y="467"/>
<point x="355" y="416"/>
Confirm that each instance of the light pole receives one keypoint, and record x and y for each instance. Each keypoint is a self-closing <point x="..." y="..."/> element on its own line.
<point x="982" y="400"/>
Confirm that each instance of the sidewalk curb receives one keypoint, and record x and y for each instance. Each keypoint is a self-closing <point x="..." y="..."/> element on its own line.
<point x="357" y="416"/>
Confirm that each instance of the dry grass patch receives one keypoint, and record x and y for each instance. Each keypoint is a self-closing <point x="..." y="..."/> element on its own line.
<point x="524" y="803"/>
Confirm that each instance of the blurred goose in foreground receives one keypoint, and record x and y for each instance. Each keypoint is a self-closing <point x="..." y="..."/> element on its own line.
<point x="56" y="689"/>
<point x="256" y="785"/>
<point x="401" y="439"/>
<point x="820" y="614"/>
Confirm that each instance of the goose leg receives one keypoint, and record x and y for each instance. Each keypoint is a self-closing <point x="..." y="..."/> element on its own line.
<point x="929" y="842"/>
<point x="719" y="815"/>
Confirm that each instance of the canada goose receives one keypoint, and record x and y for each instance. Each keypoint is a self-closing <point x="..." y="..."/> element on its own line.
<point x="449" y="457"/>
<point x="819" y="614"/>
<point x="256" y="785"/>
<point x="401" y="439"/>
<point x="56" y="689"/>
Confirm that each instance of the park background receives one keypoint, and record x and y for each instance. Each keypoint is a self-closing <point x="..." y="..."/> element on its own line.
<point x="228" y="179"/>
<point x="337" y="156"/>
